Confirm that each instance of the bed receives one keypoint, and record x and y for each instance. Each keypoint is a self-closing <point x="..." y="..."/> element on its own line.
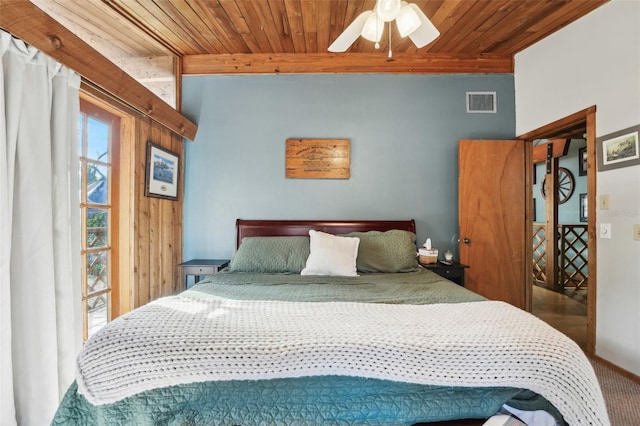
<point x="330" y="322"/>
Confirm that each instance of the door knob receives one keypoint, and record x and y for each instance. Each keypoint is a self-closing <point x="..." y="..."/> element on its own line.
<point x="466" y="241"/>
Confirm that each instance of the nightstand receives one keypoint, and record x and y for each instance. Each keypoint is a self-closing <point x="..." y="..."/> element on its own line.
<point x="200" y="267"/>
<point x="453" y="272"/>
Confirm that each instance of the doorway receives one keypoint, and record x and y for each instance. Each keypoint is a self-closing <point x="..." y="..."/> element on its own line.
<point x="549" y="306"/>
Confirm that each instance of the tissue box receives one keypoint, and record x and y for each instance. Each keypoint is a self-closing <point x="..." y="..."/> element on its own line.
<point x="428" y="256"/>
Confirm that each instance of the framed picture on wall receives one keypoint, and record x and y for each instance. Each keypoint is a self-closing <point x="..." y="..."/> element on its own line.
<point x="582" y="161"/>
<point x="619" y="149"/>
<point x="161" y="174"/>
<point x="583" y="208"/>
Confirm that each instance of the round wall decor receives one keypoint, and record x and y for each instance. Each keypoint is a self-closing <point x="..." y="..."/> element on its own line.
<point x="565" y="185"/>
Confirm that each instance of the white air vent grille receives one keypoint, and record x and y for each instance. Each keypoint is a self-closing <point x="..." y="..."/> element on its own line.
<point x="481" y="102"/>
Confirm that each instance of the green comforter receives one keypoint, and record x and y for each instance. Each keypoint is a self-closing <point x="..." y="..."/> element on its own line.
<point x="422" y="287"/>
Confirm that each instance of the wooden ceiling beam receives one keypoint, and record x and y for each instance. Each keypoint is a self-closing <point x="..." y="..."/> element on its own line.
<point x="26" y="21"/>
<point x="288" y="63"/>
<point x="559" y="148"/>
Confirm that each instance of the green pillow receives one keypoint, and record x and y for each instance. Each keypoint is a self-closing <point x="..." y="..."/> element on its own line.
<point x="390" y="251"/>
<point x="271" y="255"/>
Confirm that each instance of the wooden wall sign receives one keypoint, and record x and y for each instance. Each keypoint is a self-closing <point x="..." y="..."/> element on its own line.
<point x="318" y="158"/>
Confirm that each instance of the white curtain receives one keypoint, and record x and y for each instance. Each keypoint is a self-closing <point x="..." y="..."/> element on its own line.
<point x="40" y="270"/>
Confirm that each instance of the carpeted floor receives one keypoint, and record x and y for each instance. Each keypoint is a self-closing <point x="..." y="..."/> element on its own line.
<point x="622" y="396"/>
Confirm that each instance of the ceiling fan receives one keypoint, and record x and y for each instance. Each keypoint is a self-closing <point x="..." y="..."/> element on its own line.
<point x="410" y="20"/>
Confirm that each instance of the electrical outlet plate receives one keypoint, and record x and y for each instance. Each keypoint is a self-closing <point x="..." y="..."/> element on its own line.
<point x="636" y="232"/>
<point x="604" y="202"/>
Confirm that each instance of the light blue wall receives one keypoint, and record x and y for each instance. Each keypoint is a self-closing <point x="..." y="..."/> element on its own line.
<point x="569" y="211"/>
<point x="404" y="132"/>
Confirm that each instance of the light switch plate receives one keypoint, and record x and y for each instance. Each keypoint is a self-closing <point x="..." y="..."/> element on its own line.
<point x="604" y="202"/>
<point x="605" y="230"/>
<point x="636" y="232"/>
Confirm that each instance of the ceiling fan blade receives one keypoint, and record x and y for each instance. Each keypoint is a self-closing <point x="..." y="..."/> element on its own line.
<point x="350" y="34"/>
<point x="426" y="32"/>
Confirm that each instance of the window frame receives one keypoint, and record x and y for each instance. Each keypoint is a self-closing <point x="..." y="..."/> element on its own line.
<point x="88" y="110"/>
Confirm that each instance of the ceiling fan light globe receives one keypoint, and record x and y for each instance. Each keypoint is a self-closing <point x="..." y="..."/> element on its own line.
<point x="388" y="10"/>
<point x="407" y="20"/>
<point x="426" y="33"/>
<point x="373" y="27"/>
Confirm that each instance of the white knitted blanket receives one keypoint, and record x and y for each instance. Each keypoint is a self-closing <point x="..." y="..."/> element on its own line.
<point x="179" y="340"/>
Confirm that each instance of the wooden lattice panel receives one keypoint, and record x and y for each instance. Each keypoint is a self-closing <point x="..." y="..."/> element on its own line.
<point x="574" y="256"/>
<point x="97" y="237"/>
<point x="539" y="253"/>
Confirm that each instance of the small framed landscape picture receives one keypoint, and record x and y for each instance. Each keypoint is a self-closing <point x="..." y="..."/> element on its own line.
<point x="583" y="208"/>
<point x="582" y="161"/>
<point x="619" y="149"/>
<point x="161" y="175"/>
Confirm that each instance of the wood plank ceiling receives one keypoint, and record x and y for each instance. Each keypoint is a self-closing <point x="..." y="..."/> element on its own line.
<point x="227" y="36"/>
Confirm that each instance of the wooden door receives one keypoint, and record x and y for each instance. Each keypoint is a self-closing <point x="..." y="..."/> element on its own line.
<point x="493" y="190"/>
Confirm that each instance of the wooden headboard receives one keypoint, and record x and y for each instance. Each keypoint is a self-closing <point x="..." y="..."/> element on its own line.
<point x="272" y="228"/>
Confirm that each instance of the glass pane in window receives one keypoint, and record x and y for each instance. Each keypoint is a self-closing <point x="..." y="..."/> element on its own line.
<point x="97" y="272"/>
<point x="97" y="184"/>
<point x="98" y="140"/>
<point x="98" y="315"/>
<point x="97" y="231"/>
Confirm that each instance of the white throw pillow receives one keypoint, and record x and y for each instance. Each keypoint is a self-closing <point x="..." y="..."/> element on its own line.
<point x="331" y="255"/>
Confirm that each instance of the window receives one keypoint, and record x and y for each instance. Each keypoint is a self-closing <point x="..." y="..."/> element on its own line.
<point x="99" y="134"/>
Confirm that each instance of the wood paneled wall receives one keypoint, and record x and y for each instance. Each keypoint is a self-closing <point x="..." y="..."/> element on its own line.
<point x="157" y="223"/>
